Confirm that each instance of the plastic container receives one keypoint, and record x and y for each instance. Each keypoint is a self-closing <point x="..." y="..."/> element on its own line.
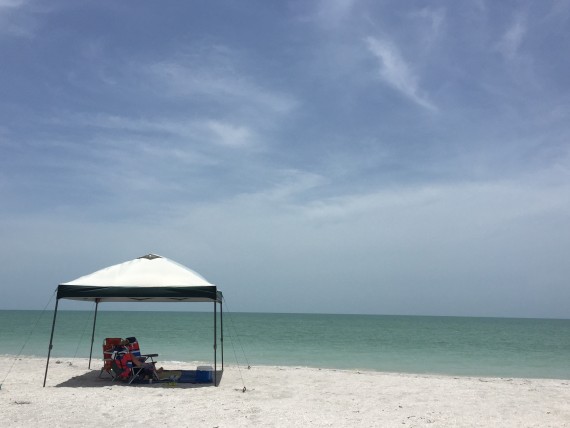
<point x="204" y="374"/>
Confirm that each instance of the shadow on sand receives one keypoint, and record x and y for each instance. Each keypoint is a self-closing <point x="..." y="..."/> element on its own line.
<point x="91" y="379"/>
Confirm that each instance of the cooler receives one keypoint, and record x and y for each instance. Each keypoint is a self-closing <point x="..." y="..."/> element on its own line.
<point x="204" y="374"/>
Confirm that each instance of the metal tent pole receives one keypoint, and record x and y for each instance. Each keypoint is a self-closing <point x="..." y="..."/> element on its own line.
<point x="215" y="345"/>
<point x="93" y="333"/>
<point x="222" y="332"/>
<point x="51" y="339"/>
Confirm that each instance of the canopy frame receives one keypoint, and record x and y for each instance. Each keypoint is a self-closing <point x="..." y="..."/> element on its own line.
<point x="141" y="293"/>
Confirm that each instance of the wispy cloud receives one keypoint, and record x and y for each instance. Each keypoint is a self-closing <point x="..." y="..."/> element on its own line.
<point x="431" y="22"/>
<point x="8" y="4"/>
<point x="510" y="43"/>
<point x="331" y="13"/>
<point x="227" y="86"/>
<point x="234" y="108"/>
<point x="14" y="20"/>
<point x="396" y="72"/>
<point x="214" y="132"/>
<point x="230" y="135"/>
<point x="504" y="201"/>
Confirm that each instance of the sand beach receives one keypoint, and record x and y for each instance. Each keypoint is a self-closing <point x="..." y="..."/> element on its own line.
<point x="275" y="397"/>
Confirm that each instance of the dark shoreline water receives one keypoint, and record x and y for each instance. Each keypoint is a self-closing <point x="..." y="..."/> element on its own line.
<point x="463" y="346"/>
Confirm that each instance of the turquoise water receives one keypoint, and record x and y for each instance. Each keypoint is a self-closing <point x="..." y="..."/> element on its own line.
<point x="501" y="347"/>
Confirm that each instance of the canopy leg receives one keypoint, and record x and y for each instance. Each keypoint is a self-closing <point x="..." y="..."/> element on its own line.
<point x="51" y="340"/>
<point x="93" y="333"/>
<point x="215" y="346"/>
<point x="222" y="332"/>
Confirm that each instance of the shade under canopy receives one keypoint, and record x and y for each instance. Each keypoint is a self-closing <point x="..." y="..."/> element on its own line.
<point x="149" y="278"/>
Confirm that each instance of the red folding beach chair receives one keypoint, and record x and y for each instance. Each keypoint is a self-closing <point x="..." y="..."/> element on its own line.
<point x="123" y="366"/>
<point x="109" y="345"/>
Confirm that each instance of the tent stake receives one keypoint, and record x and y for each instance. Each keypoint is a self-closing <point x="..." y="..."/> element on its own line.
<point x="93" y="333"/>
<point x="51" y="340"/>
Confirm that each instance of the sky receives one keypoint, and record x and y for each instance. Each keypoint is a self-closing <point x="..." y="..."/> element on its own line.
<point x="334" y="156"/>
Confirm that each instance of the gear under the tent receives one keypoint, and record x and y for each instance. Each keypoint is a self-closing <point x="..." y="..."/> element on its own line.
<point x="203" y="374"/>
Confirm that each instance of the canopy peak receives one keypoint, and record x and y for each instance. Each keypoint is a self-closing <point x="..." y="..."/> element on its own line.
<point x="150" y="257"/>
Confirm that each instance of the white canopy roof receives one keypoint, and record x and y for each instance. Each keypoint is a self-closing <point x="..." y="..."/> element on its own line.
<point x="146" y="271"/>
<point x="147" y="278"/>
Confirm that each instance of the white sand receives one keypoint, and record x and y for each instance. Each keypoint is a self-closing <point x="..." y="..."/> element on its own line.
<point x="276" y="397"/>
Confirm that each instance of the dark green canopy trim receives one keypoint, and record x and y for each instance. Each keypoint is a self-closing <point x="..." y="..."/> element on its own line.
<point x="154" y="294"/>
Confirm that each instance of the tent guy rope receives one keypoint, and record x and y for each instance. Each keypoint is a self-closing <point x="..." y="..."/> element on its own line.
<point x="28" y="338"/>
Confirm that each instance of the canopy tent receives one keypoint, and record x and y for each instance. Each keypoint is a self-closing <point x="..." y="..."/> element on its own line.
<point x="149" y="278"/>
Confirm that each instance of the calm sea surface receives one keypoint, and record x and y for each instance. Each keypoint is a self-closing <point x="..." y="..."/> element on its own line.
<point x="447" y="345"/>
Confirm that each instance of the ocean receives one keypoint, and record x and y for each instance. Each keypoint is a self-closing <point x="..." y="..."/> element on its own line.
<point x="457" y="346"/>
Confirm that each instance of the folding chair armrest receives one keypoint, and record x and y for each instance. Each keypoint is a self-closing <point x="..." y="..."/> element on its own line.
<point x="149" y="357"/>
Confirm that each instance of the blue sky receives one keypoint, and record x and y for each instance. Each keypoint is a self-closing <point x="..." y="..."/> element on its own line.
<point x="379" y="157"/>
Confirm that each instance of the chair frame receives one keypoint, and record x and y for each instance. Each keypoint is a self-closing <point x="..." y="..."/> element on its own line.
<point x="113" y="352"/>
<point x="109" y="344"/>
